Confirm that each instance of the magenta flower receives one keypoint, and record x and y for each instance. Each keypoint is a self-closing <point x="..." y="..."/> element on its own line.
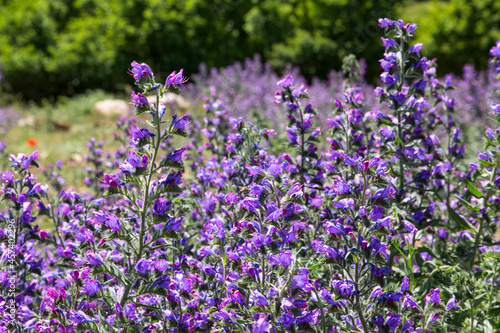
<point x="287" y="81"/>
<point x="140" y="101"/>
<point x="140" y="72"/>
<point x="175" y="78"/>
<point x="112" y="180"/>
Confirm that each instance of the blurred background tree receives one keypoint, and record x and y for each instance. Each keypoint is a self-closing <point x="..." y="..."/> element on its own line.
<point x="63" y="47"/>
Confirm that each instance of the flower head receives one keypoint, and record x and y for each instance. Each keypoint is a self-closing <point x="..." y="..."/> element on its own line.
<point x="140" y="72"/>
<point x="176" y="78"/>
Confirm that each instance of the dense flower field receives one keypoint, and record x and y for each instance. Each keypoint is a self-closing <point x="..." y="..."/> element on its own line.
<point x="364" y="220"/>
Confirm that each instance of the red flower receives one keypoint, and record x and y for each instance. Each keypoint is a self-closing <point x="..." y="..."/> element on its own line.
<point x="32" y="142"/>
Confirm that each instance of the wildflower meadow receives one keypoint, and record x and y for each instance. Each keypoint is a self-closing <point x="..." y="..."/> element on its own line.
<point x="346" y="208"/>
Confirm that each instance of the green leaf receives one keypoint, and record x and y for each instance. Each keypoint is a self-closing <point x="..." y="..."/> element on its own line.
<point x="113" y="270"/>
<point x="467" y="204"/>
<point x="386" y="121"/>
<point x="473" y="190"/>
<point x="460" y="221"/>
<point x="150" y="289"/>
<point x="487" y="163"/>
<point x="167" y="162"/>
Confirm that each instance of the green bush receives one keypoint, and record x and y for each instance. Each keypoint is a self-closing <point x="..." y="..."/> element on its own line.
<point x="67" y="46"/>
<point x="457" y="32"/>
<point x="63" y="47"/>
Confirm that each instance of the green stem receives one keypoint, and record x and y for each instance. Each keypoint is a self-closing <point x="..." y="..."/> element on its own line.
<point x="481" y="222"/>
<point x="156" y="147"/>
<point x="471" y="315"/>
<point x="492" y="285"/>
<point x="323" y="322"/>
<point x="358" y="302"/>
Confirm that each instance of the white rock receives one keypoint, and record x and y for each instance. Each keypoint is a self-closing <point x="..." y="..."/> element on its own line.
<point x="28" y="121"/>
<point x="112" y="107"/>
<point x="171" y="98"/>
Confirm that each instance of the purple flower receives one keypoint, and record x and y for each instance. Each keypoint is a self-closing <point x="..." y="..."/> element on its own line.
<point x="409" y="227"/>
<point x="8" y="177"/>
<point x="495" y="108"/>
<point x="129" y="310"/>
<point x="261" y="326"/>
<point x="392" y="321"/>
<point x="142" y="266"/>
<point x="94" y="259"/>
<point x="287" y="320"/>
<point x="161" y="206"/>
<point x="113" y="222"/>
<point x="174" y="224"/>
<point x="405" y="285"/>
<point x="376" y="292"/>
<point x="161" y="265"/>
<point x="399" y="98"/>
<point x="495" y="50"/>
<point x="257" y="298"/>
<point x="140" y="72"/>
<point x="347" y="203"/>
<point x="292" y="136"/>
<point x="112" y="180"/>
<point x="416" y="48"/>
<point x="345" y="289"/>
<point x="452" y="304"/>
<point x="434" y="297"/>
<point x="215" y="226"/>
<point x="483" y="156"/>
<point x="388" y="79"/>
<point x="231" y="198"/>
<point x="140" y="101"/>
<point x="176" y="155"/>
<point x="139" y="137"/>
<point x="386" y="132"/>
<point x="299" y="91"/>
<point x="251" y="204"/>
<point x="23" y="161"/>
<point x="388" y="42"/>
<point x="90" y="287"/>
<point x="385" y="23"/>
<point x="176" y="78"/>
<point x="287" y="81"/>
<point x="411" y="28"/>
<point x="295" y="190"/>
<point x="376" y="213"/>
<point x="179" y="124"/>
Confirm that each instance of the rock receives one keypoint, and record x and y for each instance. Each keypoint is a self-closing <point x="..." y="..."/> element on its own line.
<point x="171" y="99"/>
<point x="28" y="121"/>
<point x="62" y="126"/>
<point x="112" y="107"/>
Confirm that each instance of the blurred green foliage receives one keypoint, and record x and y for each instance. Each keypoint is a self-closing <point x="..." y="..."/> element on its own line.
<point x="62" y="47"/>
<point x="456" y="32"/>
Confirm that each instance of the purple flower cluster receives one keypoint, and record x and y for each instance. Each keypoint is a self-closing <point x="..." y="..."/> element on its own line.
<point x="371" y="222"/>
